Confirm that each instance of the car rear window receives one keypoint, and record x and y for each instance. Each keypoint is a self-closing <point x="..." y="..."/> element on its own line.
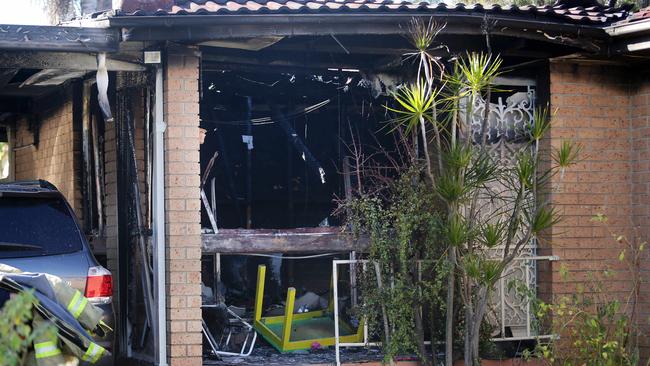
<point x="35" y="226"/>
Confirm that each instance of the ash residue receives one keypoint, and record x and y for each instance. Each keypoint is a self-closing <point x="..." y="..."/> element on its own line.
<point x="268" y="356"/>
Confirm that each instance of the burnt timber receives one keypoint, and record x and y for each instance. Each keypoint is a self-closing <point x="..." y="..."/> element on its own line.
<point x="199" y="28"/>
<point x="62" y="60"/>
<point x="302" y="240"/>
<point x="57" y="38"/>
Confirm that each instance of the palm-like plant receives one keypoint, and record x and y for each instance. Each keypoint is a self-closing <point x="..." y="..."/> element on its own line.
<point x="417" y="107"/>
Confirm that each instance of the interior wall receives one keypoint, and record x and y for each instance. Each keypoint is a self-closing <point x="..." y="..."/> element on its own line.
<point x="55" y="155"/>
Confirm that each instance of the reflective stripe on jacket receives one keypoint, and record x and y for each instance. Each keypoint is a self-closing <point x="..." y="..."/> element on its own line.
<point x="46" y="346"/>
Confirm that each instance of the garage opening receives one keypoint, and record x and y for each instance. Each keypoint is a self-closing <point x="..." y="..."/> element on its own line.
<point x="278" y="153"/>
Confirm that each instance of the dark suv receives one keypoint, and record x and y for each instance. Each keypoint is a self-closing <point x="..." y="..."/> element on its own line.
<point x="39" y="232"/>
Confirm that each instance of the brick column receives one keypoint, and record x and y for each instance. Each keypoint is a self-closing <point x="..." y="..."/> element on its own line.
<point x="609" y="114"/>
<point x="182" y="207"/>
<point x="640" y="147"/>
<point x="592" y="109"/>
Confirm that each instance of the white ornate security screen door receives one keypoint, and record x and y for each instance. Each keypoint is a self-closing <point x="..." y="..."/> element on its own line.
<point x="511" y="112"/>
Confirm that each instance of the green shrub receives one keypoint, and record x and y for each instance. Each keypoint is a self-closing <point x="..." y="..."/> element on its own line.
<point x="16" y="329"/>
<point x="591" y="327"/>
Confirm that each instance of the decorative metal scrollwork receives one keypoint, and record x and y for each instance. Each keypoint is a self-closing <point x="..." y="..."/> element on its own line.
<point x="507" y="120"/>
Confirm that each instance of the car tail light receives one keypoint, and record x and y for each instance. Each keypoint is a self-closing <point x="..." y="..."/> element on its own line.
<point x="99" y="285"/>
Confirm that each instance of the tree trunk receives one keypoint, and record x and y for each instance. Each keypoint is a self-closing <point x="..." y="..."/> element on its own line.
<point x="468" y="334"/>
<point x="449" y="321"/>
<point x="419" y="332"/>
<point x="419" y="324"/>
<point x="474" y="313"/>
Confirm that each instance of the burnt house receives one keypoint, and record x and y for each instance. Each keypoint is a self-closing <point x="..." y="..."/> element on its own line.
<point x="191" y="137"/>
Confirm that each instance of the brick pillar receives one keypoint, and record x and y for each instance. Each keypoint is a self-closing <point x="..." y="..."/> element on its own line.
<point x="110" y="204"/>
<point x="182" y="207"/>
<point x="609" y="114"/>
<point x="640" y="147"/>
<point x="592" y="109"/>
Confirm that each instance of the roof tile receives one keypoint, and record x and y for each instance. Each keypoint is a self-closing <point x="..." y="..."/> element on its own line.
<point x="560" y="11"/>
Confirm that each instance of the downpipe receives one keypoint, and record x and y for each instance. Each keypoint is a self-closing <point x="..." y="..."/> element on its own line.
<point x="158" y="208"/>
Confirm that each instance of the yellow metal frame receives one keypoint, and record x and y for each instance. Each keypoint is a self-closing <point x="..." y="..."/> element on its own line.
<point x="285" y="344"/>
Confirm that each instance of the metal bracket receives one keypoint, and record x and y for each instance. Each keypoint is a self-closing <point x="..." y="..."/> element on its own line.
<point x="206" y="203"/>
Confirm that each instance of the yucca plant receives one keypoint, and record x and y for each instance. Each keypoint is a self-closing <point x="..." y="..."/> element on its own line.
<point x="417" y="103"/>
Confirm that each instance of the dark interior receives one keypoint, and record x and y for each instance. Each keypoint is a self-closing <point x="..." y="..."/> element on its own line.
<point x="300" y="123"/>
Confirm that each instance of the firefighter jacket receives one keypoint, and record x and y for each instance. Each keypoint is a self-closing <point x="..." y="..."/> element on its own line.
<point x="74" y="317"/>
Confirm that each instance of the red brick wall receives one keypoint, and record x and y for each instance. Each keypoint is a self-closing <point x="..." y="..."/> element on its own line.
<point x="182" y="207"/>
<point x="110" y="200"/>
<point x="57" y="155"/>
<point x="600" y="108"/>
<point x="591" y="105"/>
<point x="640" y="160"/>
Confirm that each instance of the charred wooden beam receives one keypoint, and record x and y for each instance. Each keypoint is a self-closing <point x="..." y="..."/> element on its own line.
<point x="246" y="25"/>
<point x="206" y="27"/>
<point x="57" y="38"/>
<point x="303" y="240"/>
<point x="62" y="60"/>
<point x="52" y="77"/>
